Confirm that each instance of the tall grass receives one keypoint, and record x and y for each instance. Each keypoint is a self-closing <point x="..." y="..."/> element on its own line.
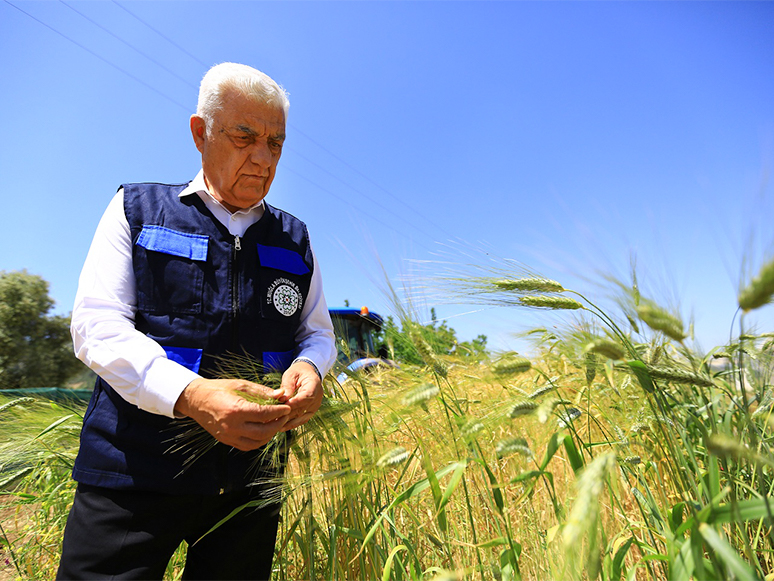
<point x="38" y="442"/>
<point x="617" y="451"/>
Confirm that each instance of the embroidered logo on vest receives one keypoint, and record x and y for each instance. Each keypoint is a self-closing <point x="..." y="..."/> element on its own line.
<point x="285" y="295"/>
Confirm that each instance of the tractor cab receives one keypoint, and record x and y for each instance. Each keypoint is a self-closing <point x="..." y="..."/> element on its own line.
<point x="355" y="330"/>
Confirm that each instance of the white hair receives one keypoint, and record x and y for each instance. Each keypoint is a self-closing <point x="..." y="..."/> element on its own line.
<point x="246" y="81"/>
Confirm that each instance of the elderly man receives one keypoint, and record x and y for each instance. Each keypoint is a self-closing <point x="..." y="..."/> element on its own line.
<point x="177" y="277"/>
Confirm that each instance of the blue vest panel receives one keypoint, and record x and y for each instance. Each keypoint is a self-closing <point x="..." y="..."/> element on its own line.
<point x="203" y="296"/>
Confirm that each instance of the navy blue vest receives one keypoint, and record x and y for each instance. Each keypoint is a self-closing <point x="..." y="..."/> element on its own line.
<point x="203" y="295"/>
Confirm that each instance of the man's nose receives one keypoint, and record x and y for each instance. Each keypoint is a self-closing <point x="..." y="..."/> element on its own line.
<point x="261" y="154"/>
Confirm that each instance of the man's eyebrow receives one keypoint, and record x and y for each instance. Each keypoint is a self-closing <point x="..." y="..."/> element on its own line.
<point x="252" y="132"/>
<point x="246" y="129"/>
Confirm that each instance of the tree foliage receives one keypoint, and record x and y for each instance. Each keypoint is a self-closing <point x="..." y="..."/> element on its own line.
<point x="35" y="347"/>
<point x="400" y="339"/>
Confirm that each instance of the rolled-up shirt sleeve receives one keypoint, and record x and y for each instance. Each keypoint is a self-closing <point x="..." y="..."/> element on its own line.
<point x="102" y="327"/>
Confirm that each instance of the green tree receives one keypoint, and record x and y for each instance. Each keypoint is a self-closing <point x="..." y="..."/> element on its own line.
<point x="35" y="347"/>
<point x="475" y="349"/>
<point x="400" y="340"/>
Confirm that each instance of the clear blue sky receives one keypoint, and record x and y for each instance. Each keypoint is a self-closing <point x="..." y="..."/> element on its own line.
<point x="567" y="136"/>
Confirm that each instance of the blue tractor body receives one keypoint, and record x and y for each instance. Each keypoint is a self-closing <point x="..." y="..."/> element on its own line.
<point x="355" y="329"/>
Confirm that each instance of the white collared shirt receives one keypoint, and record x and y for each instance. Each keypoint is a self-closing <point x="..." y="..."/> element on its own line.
<point x="102" y="327"/>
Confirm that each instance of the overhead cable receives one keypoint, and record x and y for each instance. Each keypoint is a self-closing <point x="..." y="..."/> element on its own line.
<point x="187" y="109"/>
<point x="296" y="129"/>
<point x="161" y="34"/>
<point x="100" y="57"/>
<point x="348" y="203"/>
<point x="393" y="196"/>
<point x="134" y="48"/>
<point x="354" y="189"/>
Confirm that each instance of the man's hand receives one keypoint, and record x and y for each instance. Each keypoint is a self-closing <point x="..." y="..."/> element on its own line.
<point x="219" y="406"/>
<point x="302" y="392"/>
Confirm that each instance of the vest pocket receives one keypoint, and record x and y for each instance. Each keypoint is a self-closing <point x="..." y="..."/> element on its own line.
<point x="188" y="357"/>
<point x="278" y="361"/>
<point x="282" y="259"/>
<point x="283" y="284"/>
<point x="169" y="268"/>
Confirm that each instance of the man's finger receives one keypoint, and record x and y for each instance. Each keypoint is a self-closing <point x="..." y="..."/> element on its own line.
<point x="256" y="434"/>
<point x="299" y="421"/>
<point x="289" y="382"/>
<point x="309" y="396"/>
<point x="264" y="414"/>
<point x="261" y="391"/>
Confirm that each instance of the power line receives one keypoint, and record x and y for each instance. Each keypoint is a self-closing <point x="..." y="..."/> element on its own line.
<point x="103" y="59"/>
<point x="354" y="189"/>
<point x="185" y="108"/>
<point x="296" y="129"/>
<point x="161" y="34"/>
<point x="134" y="48"/>
<point x="394" y="197"/>
<point x="348" y="203"/>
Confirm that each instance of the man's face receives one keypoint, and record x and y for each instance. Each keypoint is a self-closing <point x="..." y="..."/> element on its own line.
<point x="241" y="151"/>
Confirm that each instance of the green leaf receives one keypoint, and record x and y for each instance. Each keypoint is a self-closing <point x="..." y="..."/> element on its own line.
<point x="553" y="446"/>
<point x="388" y="565"/>
<point x="620" y="554"/>
<point x="435" y="487"/>
<point x="454" y="481"/>
<point x="701" y="572"/>
<point x="527" y="476"/>
<point x="498" y="542"/>
<point x="410" y="492"/>
<point x="641" y="373"/>
<point x="742" y="511"/>
<point x="53" y="426"/>
<point x="727" y="554"/>
<point x="496" y="492"/>
<point x="231" y="515"/>
<point x="354" y="533"/>
<point x="683" y="566"/>
<point x="713" y="475"/>
<point x="15" y="476"/>
<point x="706" y="514"/>
<point x="676" y="516"/>
<point x="509" y="567"/>
<point x="576" y="461"/>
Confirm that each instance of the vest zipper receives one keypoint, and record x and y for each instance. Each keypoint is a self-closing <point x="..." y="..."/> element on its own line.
<point x="235" y="294"/>
<point x="225" y="474"/>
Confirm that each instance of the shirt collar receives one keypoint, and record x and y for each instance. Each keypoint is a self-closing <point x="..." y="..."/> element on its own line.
<point x="199" y="186"/>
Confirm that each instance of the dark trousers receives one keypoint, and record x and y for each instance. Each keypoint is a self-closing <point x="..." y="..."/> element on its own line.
<point x="116" y="534"/>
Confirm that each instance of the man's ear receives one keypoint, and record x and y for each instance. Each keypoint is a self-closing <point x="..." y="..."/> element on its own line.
<point x="198" y="131"/>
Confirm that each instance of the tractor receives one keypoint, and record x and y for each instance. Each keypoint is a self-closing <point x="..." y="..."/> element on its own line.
<point x="354" y="330"/>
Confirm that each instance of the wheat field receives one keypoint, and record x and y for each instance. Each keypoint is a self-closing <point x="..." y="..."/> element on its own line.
<point x="614" y="451"/>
